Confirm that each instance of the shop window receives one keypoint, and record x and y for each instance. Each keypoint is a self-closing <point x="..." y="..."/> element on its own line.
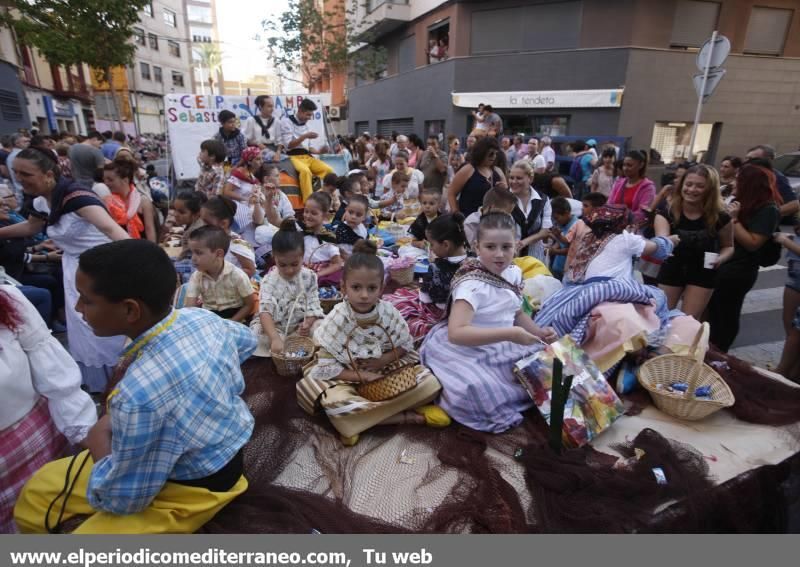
<point x="435" y="128"/>
<point x="153" y="38"/>
<point x="529" y="126"/>
<point x="670" y="142"/>
<point x="693" y="23"/>
<point x="138" y="36"/>
<point x="158" y="76"/>
<point x="144" y="68"/>
<point x="174" y="48"/>
<point x="10" y="107"/>
<point x="438" y="42"/>
<point x="766" y="30"/>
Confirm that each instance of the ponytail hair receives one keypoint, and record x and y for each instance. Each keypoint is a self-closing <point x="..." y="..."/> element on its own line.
<point x="288" y="239"/>
<point x="365" y="255"/>
<point x="221" y="208"/>
<point x="497" y="221"/>
<point x="322" y="199"/>
<point x="449" y="227"/>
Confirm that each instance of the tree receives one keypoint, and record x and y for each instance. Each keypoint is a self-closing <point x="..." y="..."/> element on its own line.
<point x="210" y="59"/>
<point x="74" y="32"/>
<point x="317" y="42"/>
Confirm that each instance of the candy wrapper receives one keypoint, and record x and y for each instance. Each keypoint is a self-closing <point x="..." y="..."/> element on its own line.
<point x="592" y="405"/>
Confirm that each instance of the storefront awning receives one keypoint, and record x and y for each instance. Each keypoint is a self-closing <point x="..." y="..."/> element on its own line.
<point x="596" y="98"/>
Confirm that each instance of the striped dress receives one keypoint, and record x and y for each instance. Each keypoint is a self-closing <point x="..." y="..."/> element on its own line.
<point x="479" y="388"/>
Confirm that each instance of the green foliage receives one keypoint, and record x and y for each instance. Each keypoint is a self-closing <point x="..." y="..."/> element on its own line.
<point x="72" y="32"/>
<point x="305" y="38"/>
<point x="210" y="59"/>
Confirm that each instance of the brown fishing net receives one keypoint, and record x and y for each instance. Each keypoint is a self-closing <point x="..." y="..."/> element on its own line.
<point x="455" y="480"/>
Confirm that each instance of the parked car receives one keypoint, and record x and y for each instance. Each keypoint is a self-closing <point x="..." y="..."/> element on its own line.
<point x="789" y="165"/>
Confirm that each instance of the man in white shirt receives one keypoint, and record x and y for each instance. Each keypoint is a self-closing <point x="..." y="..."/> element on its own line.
<point x="548" y="152"/>
<point x="262" y="129"/>
<point x="294" y="136"/>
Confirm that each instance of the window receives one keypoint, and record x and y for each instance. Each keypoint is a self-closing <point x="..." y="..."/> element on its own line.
<point x="177" y="79"/>
<point x="199" y="14"/>
<point x="153" y="41"/>
<point x="527" y="28"/>
<point x="138" y="36"/>
<point x="670" y="141"/>
<point x="158" y="77"/>
<point x="148" y="9"/>
<point x="406" y="53"/>
<point x="200" y="34"/>
<point x="693" y="23"/>
<point x="145" y="70"/>
<point x="766" y="30"/>
<point x="10" y="107"/>
<point x="174" y="48"/>
<point x="170" y="18"/>
<point x="438" y="42"/>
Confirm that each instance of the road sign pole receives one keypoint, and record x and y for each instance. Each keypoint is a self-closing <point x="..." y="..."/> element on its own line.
<point x="701" y="95"/>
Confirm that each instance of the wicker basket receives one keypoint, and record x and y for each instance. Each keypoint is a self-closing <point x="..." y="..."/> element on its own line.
<point x="403" y="276"/>
<point x="669" y="368"/>
<point x="330" y="303"/>
<point x="398" y="377"/>
<point x="293" y="365"/>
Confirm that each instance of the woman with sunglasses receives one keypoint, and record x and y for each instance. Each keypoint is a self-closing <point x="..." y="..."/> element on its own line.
<point x="472" y="181"/>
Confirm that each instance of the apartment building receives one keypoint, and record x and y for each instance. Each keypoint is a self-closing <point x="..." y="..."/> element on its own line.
<point x="584" y="68"/>
<point x="34" y="93"/>
<point x="202" y="25"/>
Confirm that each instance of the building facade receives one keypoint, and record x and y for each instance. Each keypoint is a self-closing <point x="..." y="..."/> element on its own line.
<point x="586" y="68"/>
<point x="13" y="108"/>
<point x="201" y="23"/>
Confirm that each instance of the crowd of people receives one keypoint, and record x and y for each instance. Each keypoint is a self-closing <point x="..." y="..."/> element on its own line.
<point x="160" y="337"/>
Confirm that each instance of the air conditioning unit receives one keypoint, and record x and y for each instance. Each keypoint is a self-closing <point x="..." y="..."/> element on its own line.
<point x="334" y="112"/>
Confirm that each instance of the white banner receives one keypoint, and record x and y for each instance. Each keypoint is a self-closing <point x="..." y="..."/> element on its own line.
<point x="192" y="118"/>
<point x="600" y="98"/>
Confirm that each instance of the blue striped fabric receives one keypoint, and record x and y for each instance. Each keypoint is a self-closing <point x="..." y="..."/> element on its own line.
<point x="568" y="309"/>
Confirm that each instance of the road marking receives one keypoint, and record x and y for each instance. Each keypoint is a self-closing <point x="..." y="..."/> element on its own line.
<point x="771" y="268"/>
<point x="759" y="300"/>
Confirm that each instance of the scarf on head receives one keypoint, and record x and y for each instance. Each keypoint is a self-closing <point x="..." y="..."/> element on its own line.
<point x="472" y="269"/>
<point x="605" y="223"/>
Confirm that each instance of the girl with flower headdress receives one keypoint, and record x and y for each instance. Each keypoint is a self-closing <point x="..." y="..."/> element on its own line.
<point x="473" y="353"/>
<point x="243" y="187"/>
<point x="607" y="250"/>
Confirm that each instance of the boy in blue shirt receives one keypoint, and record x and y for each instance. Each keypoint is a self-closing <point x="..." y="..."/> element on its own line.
<point x="167" y="455"/>
<point x="563" y="219"/>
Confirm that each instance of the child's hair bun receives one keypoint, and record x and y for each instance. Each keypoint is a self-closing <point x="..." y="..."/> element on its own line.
<point x="365" y="246"/>
<point x="288" y="225"/>
<point x="458" y="217"/>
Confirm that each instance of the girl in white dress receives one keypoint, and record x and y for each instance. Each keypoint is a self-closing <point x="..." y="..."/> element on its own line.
<point x="473" y="353"/>
<point x="321" y="253"/>
<point x="76" y="220"/>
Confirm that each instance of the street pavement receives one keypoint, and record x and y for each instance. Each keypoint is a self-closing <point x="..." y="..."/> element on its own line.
<point x="761" y="336"/>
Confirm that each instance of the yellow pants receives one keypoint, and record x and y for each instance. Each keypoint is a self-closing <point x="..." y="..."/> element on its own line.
<point x="308" y="166"/>
<point x="176" y="509"/>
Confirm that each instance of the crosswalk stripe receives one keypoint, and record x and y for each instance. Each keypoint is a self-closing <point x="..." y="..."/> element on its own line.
<point x="771" y="268"/>
<point x="759" y="300"/>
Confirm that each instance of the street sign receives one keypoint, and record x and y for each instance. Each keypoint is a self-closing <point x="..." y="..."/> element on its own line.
<point x="713" y="57"/>
<point x="714" y="77"/>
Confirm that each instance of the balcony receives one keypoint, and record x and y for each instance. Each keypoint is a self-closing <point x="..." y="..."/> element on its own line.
<point x="382" y="17"/>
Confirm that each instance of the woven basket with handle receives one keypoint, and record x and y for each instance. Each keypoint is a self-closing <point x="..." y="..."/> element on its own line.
<point x="659" y="373"/>
<point x="397" y="377"/>
<point x="286" y="364"/>
<point x="403" y="276"/>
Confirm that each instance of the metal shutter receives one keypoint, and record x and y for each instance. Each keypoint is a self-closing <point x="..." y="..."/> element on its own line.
<point x="10" y="106"/>
<point x="399" y="125"/>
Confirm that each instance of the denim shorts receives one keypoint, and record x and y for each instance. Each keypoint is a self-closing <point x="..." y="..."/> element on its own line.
<point x="793" y="281"/>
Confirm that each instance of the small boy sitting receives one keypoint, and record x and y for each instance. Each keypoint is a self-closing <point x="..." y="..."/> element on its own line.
<point x="391" y="202"/>
<point x="230" y="136"/>
<point x="563" y="220"/>
<point x="429" y="200"/>
<point x="494" y="201"/>
<point x="225" y="289"/>
<point x="329" y="187"/>
<point x="167" y="455"/>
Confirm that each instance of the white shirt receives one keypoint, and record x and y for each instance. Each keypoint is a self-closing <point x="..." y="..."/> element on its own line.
<point x="253" y="134"/>
<point x="289" y="131"/>
<point x="616" y="259"/>
<point x="414" y="183"/>
<point x="537" y="248"/>
<point x="549" y="154"/>
<point x="493" y="306"/>
<point x="33" y="364"/>
<point x="539" y="162"/>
